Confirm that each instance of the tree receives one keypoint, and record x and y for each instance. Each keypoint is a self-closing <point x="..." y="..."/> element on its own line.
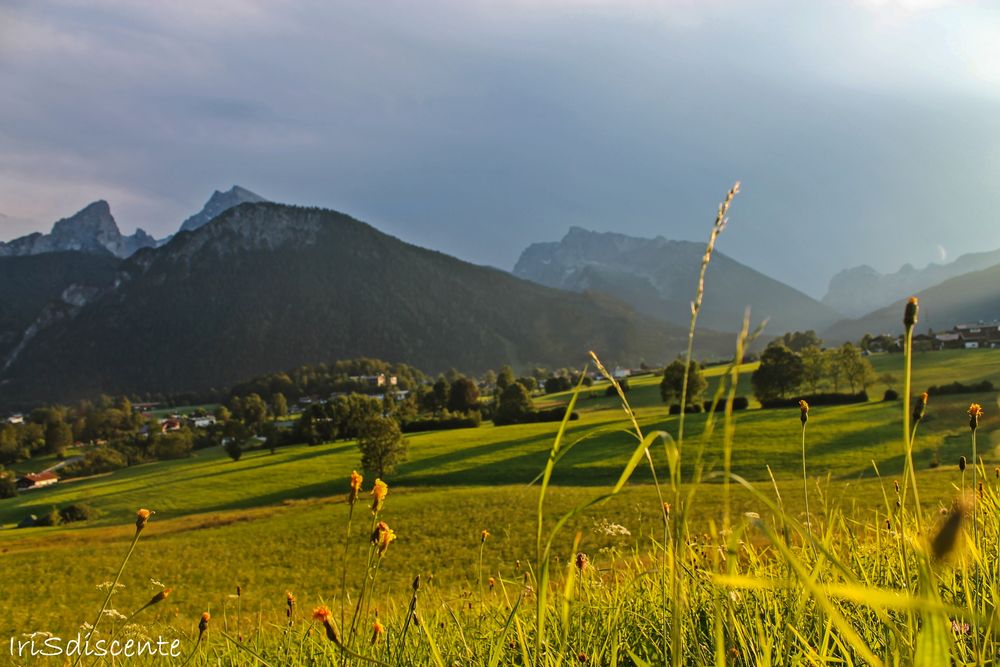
<point x="530" y="383"/>
<point x="889" y="380"/>
<point x="253" y="410"/>
<point x="815" y="368"/>
<point x="505" y="378"/>
<point x="279" y="405"/>
<point x="463" y="396"/>
<point x="515" y="405"/>
<point x="834" y="367"/>
<point x="672" y="384"/>
<point x="222" y="413"/>
<point x="58" y="436"/>
<point x="382" y="446"/>
<point x="857" y="369"/>
<point x="780" y="372"/>
<point x="556" y="384"/>
<point x="8" y="487"/>
<point x="796" y="341"/>
<point x="442" y="392"/>
<point x="234" y="449"/>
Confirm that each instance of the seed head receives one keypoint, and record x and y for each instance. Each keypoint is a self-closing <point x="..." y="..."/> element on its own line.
<point x="289" y="604"/>
<point x="919" y="407"/>
<point x="141" y="518"/>
<point x="379" y="492"/>
<point x="239" y="590"/>
<point x="582" y="561"/>
<point x="911" y="313"/>
<point x="160" y="597"/>
<point x="323" y="615"/>
<point x="962" y="463"/>
<point x="483" y="535"/>
<point x="356" y="480"/>
<point x="803" y="412"/>
<point x="975" y="412"/>
<point x="203" y="623"/>
<point x="492" y="582"/>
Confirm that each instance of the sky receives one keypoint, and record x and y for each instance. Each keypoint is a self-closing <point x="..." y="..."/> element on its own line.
<point x="863" y="131"/>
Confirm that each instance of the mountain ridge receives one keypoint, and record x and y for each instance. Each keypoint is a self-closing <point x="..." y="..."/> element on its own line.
<point x="659" y="277"/>
<point x="266" y="287"/>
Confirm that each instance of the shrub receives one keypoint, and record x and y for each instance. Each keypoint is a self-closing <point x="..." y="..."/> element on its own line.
<point x="446" y="423"/>
<point x="50" y="518"/>
<point x="8" y="486"/>
<point x="739" y="403"/>
<point x="675" y="409"/>
<point x="95" y="461"/>
<point x="611" y="391"/>
<point x="959" y="388"/>
<point x="890" y="395"/>
<point x="817" y="399"/>
<point x="234" y="449"/>
<point x="537" y="416"/>
<point x="76" y="512"/>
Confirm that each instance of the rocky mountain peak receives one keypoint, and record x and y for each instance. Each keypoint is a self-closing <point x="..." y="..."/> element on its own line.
<point x="219" y="203"/>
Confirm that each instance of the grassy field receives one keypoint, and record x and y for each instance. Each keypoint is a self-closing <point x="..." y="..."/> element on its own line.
<point x="272" y="523"/>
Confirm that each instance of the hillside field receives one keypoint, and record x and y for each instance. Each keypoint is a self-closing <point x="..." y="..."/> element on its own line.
<point x="275" y="523"/>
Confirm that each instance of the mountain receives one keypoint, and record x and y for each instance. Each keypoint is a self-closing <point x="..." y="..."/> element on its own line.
<point x="91" y="230"/>
<point x="219" y="203"/>
<point x="855" y="292"/>
<point x="659" y="278"/>
<point x="35" y="290"/>
<point x="266" y="287"/>
<point x="969" y="298"/>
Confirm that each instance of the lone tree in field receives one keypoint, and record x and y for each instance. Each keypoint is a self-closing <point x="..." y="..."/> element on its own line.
<point x="382" y="446"/>
<point x="672" y="384"/>
<point x="780" y="373"/>
<point x="515" y="404"/>
<point x="279" y="405"/>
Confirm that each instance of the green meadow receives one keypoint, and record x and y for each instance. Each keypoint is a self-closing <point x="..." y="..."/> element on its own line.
<point x="272" y="523"/>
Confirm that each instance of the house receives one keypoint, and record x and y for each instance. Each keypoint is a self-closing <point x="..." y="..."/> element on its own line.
<point x="380" y="380"/>
<point x="948" y="341"/>
<point x="979" y="335"/>
<point x="15" y="419"/>
<point x="170" y="425"/>
<point x="621" y="373"/>
<point x="201" y="422"/>
<point x="36" y="480"/>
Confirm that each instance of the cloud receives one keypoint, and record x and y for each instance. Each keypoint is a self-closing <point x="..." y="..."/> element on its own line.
<point x="478" y="127"/>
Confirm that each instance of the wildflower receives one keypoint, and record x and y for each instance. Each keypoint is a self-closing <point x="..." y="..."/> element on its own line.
<point x="911" y="313"/>
<point x="377" y="631"/>
<point x="582" y="561"/>
<point x="975" y="412"/>
<point x="356" y="480"/>
<point x="289" y="604"/>
<point x="203" y="624"/>
<point x="379" y="492"/>
<point x="962" y="463"/>
<point x="582" y="657"/>
<point x="323" y="615"/>
<point x="959" y="628"/>
<point x="604" y="527"/>
<point x="160" y="597"/>
<point x="920" y="407"/>
<point x="416" y="583"/>
<point x="803" y="412"/>
<point x="141" y="517"/>
<point x="483" y="536"/>
<point x="492" y="582"/>
<point x="114" y="613"/>
<point x="382" y="537"/>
